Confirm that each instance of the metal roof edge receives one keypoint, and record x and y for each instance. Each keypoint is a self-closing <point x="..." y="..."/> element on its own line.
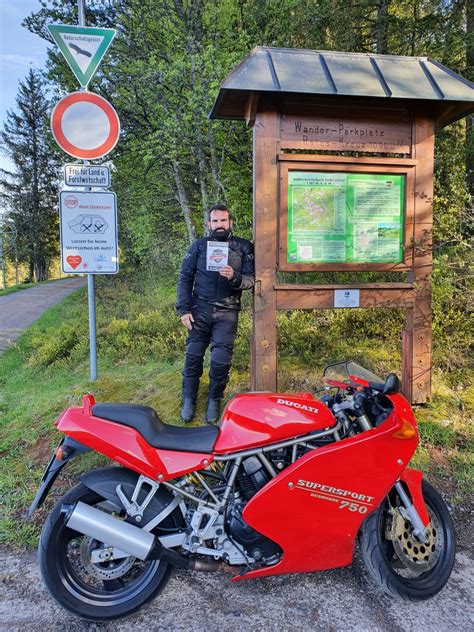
<point x="450" y="72"/>
<point x="237" y="68"/>
<point x="340" y="53"/>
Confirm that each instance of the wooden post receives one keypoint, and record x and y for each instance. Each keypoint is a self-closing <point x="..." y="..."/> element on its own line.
<point x="264" y="341"/>
<point x="416" y="352"/>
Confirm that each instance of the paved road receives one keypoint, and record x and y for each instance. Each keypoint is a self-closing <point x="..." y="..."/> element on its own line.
<point x="331" y="601"/>
<point x="20" y="309"/>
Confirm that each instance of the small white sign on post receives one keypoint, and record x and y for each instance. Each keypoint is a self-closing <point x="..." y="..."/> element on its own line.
<point x="86" y="176"/>
<point x="88" y="229"/>
<point x="346" y="298"/>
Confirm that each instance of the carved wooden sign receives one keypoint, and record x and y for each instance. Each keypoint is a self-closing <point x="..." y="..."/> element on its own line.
<point x="310" y="132"/>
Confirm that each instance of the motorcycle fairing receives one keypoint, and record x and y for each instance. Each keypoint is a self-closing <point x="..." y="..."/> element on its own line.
<point x="255" y="419"/>
<point x="314" y="508"/>
<point x="127" y="446"/>
<point x="413" y="479"/>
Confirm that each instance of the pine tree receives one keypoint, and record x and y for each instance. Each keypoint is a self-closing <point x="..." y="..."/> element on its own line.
<point x="30" y="189"/>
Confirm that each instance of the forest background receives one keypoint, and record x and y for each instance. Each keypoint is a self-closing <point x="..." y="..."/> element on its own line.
<point x="162" y="75"/>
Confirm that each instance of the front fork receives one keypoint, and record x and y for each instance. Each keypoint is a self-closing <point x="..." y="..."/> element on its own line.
<point x="415" y="508"/>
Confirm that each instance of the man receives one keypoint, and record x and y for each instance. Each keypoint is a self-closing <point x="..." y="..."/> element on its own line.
<point x="214" y="272"/>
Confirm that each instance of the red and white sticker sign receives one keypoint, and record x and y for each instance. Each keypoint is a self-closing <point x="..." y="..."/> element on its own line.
<point x="85" y="125"/>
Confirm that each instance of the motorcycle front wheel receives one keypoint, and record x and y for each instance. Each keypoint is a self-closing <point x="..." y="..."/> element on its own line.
<point x="94" y="591"/>
<point x="400" y="564"/>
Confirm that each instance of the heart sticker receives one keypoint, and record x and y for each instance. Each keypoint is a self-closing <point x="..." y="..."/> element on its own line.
<point x="74" y="261"/>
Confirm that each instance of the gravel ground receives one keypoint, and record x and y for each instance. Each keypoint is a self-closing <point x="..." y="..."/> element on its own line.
<point x="342" y="599"/>
<point x="19" y="310"/>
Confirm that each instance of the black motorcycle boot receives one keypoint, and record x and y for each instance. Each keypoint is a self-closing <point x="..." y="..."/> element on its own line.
<point x="213" y="410"/>
<point x="189" y="396"/>
<point x="187" y="409"/>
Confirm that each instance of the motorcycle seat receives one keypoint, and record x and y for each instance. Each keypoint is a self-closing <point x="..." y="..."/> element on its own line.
<point x="158" y="434"/>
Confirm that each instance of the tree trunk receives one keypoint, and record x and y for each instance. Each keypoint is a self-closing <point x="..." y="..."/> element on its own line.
<point x="381" y="27"/>
<point x="470" y="76"/>
<point x="216" y="169"/>
<point x="183" y="201"/>
<point x="201" y="156"/>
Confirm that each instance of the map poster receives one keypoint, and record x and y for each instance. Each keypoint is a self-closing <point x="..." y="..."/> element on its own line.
<point x="345" y="217"/>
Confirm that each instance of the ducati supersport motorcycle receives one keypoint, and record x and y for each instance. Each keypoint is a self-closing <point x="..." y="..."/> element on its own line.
<point x="287" y="483"/>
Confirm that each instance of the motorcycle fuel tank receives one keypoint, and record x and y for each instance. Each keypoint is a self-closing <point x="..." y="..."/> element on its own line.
<point x="253" y="419"/>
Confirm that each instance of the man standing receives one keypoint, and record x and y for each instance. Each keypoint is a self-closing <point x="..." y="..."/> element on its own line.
<point x="214" y="272"/>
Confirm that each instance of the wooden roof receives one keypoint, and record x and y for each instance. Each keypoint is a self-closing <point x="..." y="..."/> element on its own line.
<point x="346" y="76"/>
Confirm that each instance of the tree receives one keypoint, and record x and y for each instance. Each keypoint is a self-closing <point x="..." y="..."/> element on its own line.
<point x="30" y="190"/>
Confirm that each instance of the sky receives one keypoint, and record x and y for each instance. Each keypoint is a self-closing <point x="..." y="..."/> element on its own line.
<point x="19" y="50"/>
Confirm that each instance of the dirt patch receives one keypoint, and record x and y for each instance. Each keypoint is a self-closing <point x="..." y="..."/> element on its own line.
<point x="41" y="451"/>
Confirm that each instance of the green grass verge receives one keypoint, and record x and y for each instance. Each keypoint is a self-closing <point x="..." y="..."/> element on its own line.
<point x="140" y="349"/>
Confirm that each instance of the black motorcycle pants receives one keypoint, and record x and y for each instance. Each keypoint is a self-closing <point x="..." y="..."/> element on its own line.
<point x="216" y="326"/>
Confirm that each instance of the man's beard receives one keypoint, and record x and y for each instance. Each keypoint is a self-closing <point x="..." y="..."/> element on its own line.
<point x="221" y="234"/>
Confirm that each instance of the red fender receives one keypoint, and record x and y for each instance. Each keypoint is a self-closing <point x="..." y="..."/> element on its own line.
<point x="412" y="479"/>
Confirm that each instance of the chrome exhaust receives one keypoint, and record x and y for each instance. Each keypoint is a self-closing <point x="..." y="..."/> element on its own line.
<point x="109" y="530"/>
<point x="127" y="538"/>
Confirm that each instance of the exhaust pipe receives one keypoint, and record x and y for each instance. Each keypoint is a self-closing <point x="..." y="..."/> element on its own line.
<point x="126" y="537"/>
<point x="105" y="528"/>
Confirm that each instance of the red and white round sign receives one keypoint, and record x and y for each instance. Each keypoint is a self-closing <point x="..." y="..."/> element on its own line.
<point x="85" y="125"/>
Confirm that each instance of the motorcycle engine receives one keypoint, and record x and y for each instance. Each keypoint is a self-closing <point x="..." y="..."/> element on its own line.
<point x="251" y="478"/>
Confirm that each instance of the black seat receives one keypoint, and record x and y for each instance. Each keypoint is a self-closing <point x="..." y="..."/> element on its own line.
<point x="158" y="434"/>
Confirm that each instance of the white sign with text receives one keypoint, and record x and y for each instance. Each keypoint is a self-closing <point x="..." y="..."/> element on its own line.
<point x="88" y="225"/>
<point x="86" y="176"/>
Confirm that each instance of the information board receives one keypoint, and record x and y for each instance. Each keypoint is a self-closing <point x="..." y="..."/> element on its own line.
<point x="88" y="229"/>
<point x="345" y="217"/>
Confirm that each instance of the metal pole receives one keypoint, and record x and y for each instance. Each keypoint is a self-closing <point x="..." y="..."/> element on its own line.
<point x="92" y="330"/>
<point x="90" y="277"/>
<point x="81" y="13"/>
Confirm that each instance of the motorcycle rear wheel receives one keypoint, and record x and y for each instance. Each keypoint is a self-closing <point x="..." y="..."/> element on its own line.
<point x="96" y="592"/>
<point x="400" y="565"/>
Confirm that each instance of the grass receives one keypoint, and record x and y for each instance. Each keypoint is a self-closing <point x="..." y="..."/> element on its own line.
<point x="140" y="349"/>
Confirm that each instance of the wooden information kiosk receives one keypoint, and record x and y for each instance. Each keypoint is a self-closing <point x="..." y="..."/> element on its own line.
<point x="343" y="181"/>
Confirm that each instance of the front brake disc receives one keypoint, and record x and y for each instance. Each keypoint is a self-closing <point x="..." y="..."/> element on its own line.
<point x="412" y="553"/>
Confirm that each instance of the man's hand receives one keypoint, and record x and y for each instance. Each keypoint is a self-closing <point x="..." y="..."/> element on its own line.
<point x="187" y="319"/>
<point x="227" y="272"/>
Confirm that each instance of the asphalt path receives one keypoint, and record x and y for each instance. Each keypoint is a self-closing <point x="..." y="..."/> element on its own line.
<point x="19" y="310"/>
<point x="338" y="600"/>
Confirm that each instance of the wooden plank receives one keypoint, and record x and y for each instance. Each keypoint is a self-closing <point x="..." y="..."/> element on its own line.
<point x="264" y="342"/>
<point x="417" y="338"/>
<point x="345" y="286"/>
<point x="359" y="160"/>
<point x="324" y="299"/>
<point x="331" y="106"/>
<point x="345" y="134"/>
<point x="250" y="111"/>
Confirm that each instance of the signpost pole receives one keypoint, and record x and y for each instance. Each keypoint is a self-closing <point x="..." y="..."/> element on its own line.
<point x="90" y="277"/>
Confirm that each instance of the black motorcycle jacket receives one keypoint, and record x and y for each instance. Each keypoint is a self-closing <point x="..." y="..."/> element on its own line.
<point x="198" y="284"/>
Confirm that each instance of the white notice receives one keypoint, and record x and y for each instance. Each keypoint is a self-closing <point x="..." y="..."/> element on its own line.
<point x="88" y="223"/>
<point x="217" y="255"/>
<point x="346" y="298"/>
<point x="86" y="176"/>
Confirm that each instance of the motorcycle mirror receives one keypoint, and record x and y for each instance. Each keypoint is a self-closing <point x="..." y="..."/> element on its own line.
<point x="392" y="384"/>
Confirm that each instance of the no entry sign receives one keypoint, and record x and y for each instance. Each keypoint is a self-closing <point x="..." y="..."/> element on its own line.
<point x="85" y="125"/>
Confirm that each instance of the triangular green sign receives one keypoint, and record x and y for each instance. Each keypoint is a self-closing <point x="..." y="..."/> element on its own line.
<point x="83" y="47"/>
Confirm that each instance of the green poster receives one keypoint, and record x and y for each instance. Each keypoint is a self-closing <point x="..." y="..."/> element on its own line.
<point x="345" y="217"/>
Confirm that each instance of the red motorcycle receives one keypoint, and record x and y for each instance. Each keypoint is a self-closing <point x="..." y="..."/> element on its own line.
<point x="286" y="484"/>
